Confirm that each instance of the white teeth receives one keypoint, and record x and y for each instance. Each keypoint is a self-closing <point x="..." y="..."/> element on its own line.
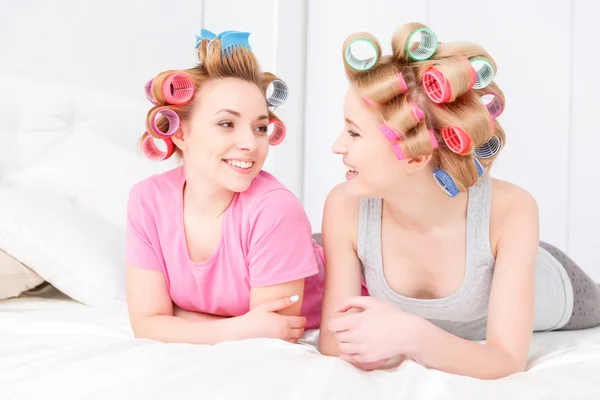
<point x="240" y="164"/>
<point x="351" y="169"/>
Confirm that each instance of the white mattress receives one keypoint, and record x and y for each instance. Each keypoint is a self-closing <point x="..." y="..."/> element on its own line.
<point x="52" y="347"/>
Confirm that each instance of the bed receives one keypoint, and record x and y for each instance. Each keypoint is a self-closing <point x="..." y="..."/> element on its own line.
<point x="54" y="347"/>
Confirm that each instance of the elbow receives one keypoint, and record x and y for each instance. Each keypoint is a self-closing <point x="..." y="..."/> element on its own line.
<point x="507" y="365"/>
<point x="328" y="345"/>
<point x="140" y="328"/>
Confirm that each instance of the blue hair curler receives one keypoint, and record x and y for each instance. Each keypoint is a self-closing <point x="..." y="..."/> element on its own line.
<point x="232" y="41"/>
<point x="446" y="182"/>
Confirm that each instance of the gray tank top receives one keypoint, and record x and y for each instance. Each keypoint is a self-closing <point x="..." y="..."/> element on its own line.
<point x="464" y="313"/>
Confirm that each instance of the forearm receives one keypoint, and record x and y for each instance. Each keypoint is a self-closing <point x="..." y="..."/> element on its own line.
<point x="443" y="351"/>
<point x="328" y="343"/>
<point x="202" y="329"/>
<point x="197" y="316"/>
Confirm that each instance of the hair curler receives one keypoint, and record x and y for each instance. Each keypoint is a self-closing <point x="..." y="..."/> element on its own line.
<point x="484" y="71"/>
<point x="172" y="118"/>
<point x="438" y="87"/>
<point x="361" y="64"/>
<point x="456" y="139"/>
<point x="489" y="149"/>
<point x="427" y="44"/>
<point x="149" y="94"/>
<point x="434" y="142"/>
<point x="390" y="133"/>
<point x="446" y="182"/>
<point x="398" y="151"/>
<point x="277" y="93"/>
<point x="277" y="131"/>
<point x="177" y="88"/>
<point x="151" y="150"/>
<point x="493" y="103"/>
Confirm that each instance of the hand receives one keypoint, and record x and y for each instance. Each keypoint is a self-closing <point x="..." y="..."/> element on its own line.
<point x="386" y="363"/>
<point x="263" y="321"/>
<point x="379" y="332"/>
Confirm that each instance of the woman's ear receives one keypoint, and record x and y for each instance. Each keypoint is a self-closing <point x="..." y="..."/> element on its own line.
<point x="178" y="137"/>
<point x="418" y="163"/>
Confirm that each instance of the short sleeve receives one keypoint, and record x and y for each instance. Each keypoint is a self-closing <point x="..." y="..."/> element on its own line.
<point x="281" y="248"/>
<point x="139" y="251"/>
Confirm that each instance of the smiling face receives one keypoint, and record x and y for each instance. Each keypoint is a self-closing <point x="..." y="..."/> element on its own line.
<point x="225" y="141"/>
<point x="371" y="165"/>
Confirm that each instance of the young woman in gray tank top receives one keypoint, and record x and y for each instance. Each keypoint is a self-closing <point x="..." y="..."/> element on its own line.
<point x="448" y="255"/>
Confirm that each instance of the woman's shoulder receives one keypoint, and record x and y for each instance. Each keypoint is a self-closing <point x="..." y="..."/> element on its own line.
<point x="507" y="197"/>
<point x="156" y="186"/>
<point x="342" y="210"/>
<point x="338" y="198"/>
<point x="511" y="205"/>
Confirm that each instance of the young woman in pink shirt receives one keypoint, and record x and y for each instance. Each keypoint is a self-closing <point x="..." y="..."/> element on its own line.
<point x="217" y="249"/>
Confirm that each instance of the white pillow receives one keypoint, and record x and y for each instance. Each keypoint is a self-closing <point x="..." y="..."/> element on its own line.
<point x="75" y="250"/>
<point x="90" y="170"/>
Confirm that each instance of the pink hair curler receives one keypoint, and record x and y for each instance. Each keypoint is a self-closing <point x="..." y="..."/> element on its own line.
<point x="149" y="93"/>
<point x="178" y="88"/>
<point x="151" y="150"/>
<point x="402" y="82"/>
<point x="277" y="132"/>
<point x="368" y="101"/>
<point x="391" y="134"/>
<point x="434" y="142"/>
<point x="398" y="151"/>
<point x="417" y="112"/>
<point x="173" y="119"/>
<point x="456" y="139"/>
<point x="436" y="86"/>
<point x="493" y="103"/>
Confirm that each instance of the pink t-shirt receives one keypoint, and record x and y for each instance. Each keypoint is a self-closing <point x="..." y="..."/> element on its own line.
<point x="265" y="240"/>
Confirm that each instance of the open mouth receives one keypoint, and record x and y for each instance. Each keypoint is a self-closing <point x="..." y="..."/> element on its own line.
<point x="351" y="170"/>
<point x="241" y="166"/>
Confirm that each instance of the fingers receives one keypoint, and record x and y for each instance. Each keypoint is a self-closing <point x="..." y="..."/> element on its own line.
<point x="279" y="304"/>
<point x="296" y="322"/>
<point x="350" y="348"/>
<point x="344" y="323"/>
<point x="296" y="333"/>
<point x="361" y="302"/>
<point x="345" y="336"/>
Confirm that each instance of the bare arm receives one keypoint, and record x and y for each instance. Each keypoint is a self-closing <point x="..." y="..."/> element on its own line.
<point x="152" y="316"/>
<point x="342" y="266"/>
<point x="261" y="295"/>
<point x="511" y="307"/>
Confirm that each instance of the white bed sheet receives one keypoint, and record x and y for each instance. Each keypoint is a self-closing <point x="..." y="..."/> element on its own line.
<point x="54" y="348"/>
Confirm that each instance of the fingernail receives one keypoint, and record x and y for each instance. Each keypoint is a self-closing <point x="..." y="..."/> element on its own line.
<point x="294" y="297"/>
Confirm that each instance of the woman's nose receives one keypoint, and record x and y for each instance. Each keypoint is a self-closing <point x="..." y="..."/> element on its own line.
<point x="339" y="145"/>
<point x="245" y="139"/>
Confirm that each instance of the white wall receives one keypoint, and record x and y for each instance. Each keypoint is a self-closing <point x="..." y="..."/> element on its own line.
<point x="545" y="68"/>
<point x="545" y="52"/>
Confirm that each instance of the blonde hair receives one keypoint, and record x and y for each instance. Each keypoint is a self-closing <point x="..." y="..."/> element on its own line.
<point x="423" y="119"/>
<point x="237" y="62"/>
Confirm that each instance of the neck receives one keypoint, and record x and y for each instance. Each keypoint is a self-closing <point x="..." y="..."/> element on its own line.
<point x="421" y="205"/>
<point x="205" y="198"/>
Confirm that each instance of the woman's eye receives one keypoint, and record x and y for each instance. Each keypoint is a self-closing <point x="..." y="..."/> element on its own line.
<point x="263" y="128"/>
<point x="352" y="133"/>
<point x="226" y="124"/>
